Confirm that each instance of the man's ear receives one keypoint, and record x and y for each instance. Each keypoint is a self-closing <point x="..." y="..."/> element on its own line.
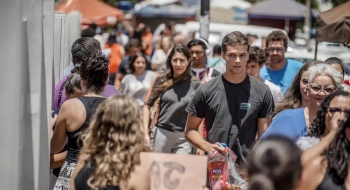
<point x="223" y="56"/>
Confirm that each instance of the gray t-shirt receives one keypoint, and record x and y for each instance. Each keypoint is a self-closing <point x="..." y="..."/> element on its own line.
<point x="137" y="86"/>
<point x="232" y="110"/>
<point x="173" y="102"/>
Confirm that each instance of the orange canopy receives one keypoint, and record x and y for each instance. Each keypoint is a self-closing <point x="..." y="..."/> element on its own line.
<point x="93" y="11"/>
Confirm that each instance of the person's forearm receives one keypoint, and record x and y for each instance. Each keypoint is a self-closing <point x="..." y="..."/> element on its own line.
<point x="197" y="140"/>
<point x="146" y="118"/>
<point x="318" y="149"/>
<point x="57" y="160"/>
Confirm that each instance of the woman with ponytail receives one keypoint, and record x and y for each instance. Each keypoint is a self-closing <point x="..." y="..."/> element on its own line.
<point x="274" y="165"/>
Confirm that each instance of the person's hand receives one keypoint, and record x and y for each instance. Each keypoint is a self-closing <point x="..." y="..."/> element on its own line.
<point x="53" y="120"/>
<point x="215" y="147"/>
<point x="147" y="140"/>
<point x="200" y="152"/>
<point x="334" y="121"/>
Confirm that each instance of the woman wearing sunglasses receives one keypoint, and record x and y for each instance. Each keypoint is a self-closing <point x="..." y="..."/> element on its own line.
<point x="294" y="123"/>
<point x="330" y="170"/>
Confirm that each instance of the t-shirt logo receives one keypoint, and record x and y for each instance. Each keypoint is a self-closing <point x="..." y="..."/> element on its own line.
<point x="245" y="106"/>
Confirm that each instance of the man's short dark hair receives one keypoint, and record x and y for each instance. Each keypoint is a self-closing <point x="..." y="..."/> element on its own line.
<point x="88" y="33"/>
<point x="93" y="26"/>
<point x="233" y="39"/>
<point x="277" y="35"/>
<point x="196" y="42"/>
<point x="257" y="55"/>
<point x="217" y="49"/>
<point x="83" y="48"/>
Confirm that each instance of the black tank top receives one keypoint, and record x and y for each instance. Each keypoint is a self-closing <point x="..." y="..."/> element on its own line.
<point x="74" y="142"/>
<point x="328" y="183"/>
<point x="83" y="176"/>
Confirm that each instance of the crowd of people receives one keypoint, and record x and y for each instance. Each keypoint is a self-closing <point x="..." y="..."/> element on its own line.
<point x="128" y="93"/>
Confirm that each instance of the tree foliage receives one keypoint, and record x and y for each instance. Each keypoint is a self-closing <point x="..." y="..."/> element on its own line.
<point x="335" y="2"/>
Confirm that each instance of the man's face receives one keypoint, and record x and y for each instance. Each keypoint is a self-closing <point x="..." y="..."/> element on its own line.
<point x="134" y="50"/>
<point x="276" y="51"/>
<point x="236" y="58"/>
<point x="198" y="55"/>
<point x="253" y="69"/>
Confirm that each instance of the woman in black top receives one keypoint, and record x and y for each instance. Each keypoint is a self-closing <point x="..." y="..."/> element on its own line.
<point x="171" y="92"/>
<point x="330" y="170"/>
<point x="74" y="116"/>
<point x="110" y="155"/>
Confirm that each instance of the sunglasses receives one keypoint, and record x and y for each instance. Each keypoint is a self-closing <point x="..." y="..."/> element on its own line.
<point x="338" y="110"/>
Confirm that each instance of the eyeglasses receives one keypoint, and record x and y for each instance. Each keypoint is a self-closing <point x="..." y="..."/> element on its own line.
<point x="272" y="49"/>
<point x="338" y="110"/>
<point x="318" y="89"/>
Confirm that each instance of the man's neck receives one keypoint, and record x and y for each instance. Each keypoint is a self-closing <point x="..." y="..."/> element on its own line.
<point x="234" y="78"/>
<point x="198" y="66"/>
<point x="277" y="66"/>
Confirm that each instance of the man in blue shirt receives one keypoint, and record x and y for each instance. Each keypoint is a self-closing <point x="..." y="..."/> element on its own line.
<point x="279" y="70"/>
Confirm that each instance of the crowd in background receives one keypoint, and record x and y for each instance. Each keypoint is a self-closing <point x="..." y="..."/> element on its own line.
<point x="128" y="91"/>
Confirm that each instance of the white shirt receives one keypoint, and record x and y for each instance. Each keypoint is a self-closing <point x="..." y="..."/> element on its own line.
<point x="159" y="57"/>
<point x="275" y="90"/>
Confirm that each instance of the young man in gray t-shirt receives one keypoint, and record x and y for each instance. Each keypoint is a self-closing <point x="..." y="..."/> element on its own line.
<point x="235" y="106"/>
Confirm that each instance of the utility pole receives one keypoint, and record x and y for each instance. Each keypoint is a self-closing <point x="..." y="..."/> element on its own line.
<point x="307" y="24"/>
<point x="204" y="19"/>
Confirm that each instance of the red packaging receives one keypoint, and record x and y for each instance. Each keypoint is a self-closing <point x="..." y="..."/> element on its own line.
<point x="218" y="171"/>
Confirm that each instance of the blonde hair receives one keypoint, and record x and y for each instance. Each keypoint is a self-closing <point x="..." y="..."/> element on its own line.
<point x="113" y="141"/>
<point x="160" y="42"/>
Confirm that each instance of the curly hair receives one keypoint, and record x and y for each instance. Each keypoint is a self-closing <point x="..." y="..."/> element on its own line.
<point x="113" y="141"/>
<point x="132" y="60"/>
<point x="167" y="78"/>
<point x="83" y="48"/>
<point x="292" y="99"/>
<point x="277" y="35"/>
<point x="256" y="54"/>
<point x="72" y="83"/>
<point x="94" y="73"/>
<point x="318" y="125"/>
<point x="338" y="153"/>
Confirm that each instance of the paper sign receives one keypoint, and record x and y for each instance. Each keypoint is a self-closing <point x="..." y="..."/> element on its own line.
<point x="175" y="171"/>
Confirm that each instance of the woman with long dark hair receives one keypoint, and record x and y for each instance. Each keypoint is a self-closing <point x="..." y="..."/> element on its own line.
<point x="330" y="170"/>
<point x="110" y="156"/>
<point x="138" y="82"/>
<point x="74" y="116"/>
<point x="172" y="91"/>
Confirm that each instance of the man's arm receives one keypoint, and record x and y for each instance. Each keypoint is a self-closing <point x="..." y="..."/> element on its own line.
<point x="266" y="112"/>
<point x="196" y="113"/>
<point x="263" y="124"/>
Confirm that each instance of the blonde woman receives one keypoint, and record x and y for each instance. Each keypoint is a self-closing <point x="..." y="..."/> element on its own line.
<point x="110" y="158"/>
<point x="160" y="56"/>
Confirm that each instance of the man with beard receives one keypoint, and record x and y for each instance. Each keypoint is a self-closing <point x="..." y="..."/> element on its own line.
<point x="280" y="71"/>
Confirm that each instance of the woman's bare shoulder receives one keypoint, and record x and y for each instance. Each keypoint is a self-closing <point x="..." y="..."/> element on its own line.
<point x="139" y="179"/>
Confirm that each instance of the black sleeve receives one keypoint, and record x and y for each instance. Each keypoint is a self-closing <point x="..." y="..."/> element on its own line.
<point x="122" y="67"/>
<point x="268" y="106"/>
<point x="197" y="104"/>
<point x="152" y="99"/>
